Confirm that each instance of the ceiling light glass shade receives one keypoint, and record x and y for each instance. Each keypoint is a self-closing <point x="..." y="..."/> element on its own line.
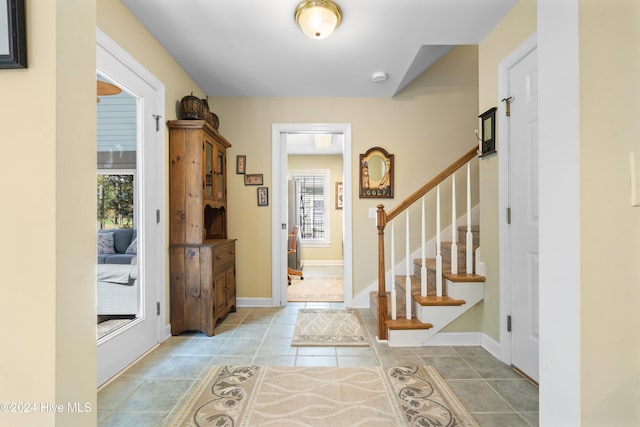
<point x="318" y="18"/>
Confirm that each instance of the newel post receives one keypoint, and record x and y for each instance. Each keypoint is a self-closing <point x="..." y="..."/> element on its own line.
<point x="382" y="287"/>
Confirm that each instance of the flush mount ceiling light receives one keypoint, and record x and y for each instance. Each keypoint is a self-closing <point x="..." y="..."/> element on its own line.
<point x="318" y="18"/>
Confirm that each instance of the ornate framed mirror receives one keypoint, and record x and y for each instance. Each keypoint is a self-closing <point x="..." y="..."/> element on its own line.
<point x="376" y="174"/>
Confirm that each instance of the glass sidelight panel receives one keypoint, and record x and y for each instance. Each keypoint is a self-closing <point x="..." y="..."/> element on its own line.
<point x="118" y="286"/>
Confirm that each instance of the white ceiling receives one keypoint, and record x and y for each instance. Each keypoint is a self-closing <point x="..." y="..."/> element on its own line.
<point x="255" y="48"/>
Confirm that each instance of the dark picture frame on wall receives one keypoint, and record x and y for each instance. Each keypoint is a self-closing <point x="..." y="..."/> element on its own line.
<point x="241" y="164"/>
<point x="488" y="134"/>
<point x="263" y="196"/>
<point x="376" y="174"/>
<point x="339" y="195"/>
<point x="253" y="179"/>
<point x="13" y="34"/>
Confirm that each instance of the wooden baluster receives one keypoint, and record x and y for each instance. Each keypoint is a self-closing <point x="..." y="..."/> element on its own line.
<point x="454" y="228"/>
<point x="438" y="246"/>
<point x="407" y="281"/>
<point x="382" y="291"/>
<point x="423" y="267"/>
<point x="469" y="236"/>
<point x="393" y="273"/>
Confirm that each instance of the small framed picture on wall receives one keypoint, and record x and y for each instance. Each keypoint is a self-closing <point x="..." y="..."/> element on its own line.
<point x="339" y="195"/>
<point x="253" y="179"/>
<point x="263" y="196"/>
<point x="241" y="164"/>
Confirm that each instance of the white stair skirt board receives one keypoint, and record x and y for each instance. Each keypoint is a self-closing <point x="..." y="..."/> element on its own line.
<point x="439" y="316"/>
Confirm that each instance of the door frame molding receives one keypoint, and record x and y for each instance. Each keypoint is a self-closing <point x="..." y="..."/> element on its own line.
<point x="279" y="210"/>
<point x="111" y="55"/>
<point x="504" y="129"/>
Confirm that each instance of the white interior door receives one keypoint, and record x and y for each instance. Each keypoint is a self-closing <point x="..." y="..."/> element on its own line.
<point x="523" y="229"/>
<point x="118" y="349"/>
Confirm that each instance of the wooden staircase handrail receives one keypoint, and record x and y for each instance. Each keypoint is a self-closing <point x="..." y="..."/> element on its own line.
<point x="384" y="217"/>
<point x="433" y="183"/>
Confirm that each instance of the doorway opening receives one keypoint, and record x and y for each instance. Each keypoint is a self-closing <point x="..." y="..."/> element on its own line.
<point x="323" y="214"/>
<point x="315" y="221"/>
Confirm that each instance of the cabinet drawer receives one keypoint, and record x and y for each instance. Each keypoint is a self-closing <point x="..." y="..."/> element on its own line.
<point x="223" y="255"/>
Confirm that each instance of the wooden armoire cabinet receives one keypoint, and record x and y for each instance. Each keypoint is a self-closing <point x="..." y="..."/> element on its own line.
<point x="202" y="258"/>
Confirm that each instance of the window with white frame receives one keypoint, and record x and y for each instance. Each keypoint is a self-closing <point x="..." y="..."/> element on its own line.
<point x="314" y="205"/>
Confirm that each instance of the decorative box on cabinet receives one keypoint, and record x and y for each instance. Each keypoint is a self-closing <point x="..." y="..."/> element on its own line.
<point x="202" y="258"/>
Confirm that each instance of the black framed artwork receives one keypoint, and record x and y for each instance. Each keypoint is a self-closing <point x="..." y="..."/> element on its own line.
<point x="13" y="34"/>
<point x="253" y="179"/>
<point x="263" y="196"/>
<point x="488" y="135"/>
<point x="241" y="164"/>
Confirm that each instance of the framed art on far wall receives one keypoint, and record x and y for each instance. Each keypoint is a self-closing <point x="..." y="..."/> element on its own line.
<point x="241" y="164"/>
<point x="263" y="196"/>
<point x="13" y="35"/>
<point x="253" y="179"/>
<point x="339" y="195"/>
<point x="376" y="174"/>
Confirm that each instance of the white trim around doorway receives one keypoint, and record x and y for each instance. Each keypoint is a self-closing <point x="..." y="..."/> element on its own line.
<point x="279" y="210"/>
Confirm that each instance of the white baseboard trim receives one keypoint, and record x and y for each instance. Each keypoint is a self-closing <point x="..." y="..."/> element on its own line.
<point x="167" y="332"/>
<point x="492" y="346"/>
<point x="462" y="339"/>
<point x="254" y="302"/>
<point x="466" y="339"/>
<point x="362" y="299"/>
<point x="322" y="262"/>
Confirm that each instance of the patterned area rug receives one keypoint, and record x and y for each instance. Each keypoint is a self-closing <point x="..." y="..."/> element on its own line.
<point x="316" y="289"/>
<point x="319" y="396"/>
<point x="329" y="327"/>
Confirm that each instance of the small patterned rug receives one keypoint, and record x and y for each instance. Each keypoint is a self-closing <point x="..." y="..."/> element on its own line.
<point x="316" y="289"/>
<point x="320" y="396"/>
<point x="329" y="327"/>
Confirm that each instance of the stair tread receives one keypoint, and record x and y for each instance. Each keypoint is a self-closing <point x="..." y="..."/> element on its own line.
<point x="407" y="324"/>
<point x="432" y="300"/>
<point x="474" y="228"/>
<point x="464" y="277"/>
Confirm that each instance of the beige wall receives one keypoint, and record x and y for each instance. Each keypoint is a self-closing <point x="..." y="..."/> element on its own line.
<point x="519" y="24"/>
<point x="334" y="165"/>
<point x="426" y="127"/>
<point x="49" y="342"/>
<point x="609" y="226"/>
<point x="48" y="259"/>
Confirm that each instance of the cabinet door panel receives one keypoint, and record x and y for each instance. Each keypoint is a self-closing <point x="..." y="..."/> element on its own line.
<point x="219" y="290"/>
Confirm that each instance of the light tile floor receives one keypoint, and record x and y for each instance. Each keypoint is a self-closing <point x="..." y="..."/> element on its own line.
<point x="149" y="391"/>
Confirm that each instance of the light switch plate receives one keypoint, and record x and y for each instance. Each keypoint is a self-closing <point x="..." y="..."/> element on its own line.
<point x="634" y="162"/>
<point x="373" y="212"/>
